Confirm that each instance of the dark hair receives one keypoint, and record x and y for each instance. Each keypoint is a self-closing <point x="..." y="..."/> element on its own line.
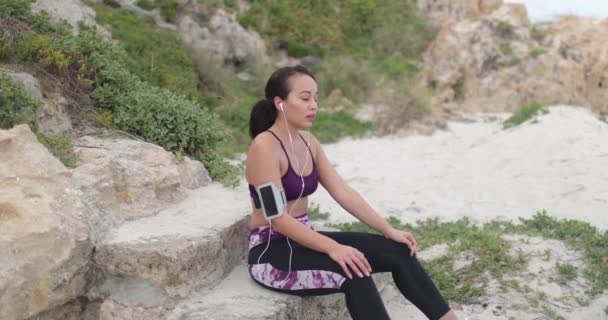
<point x="264" y="113"/>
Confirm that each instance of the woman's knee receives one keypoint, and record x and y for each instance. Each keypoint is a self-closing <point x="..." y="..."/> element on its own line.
<point x="399" y="250"/>
<point x="358" y="284"/>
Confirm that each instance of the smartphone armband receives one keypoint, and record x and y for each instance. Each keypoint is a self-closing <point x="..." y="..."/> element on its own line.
<point x="272" y="199"/>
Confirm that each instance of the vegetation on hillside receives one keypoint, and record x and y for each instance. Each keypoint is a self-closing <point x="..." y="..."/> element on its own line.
<point x="148" y="85"/>
<point x="16" y="105"/>
<point x="97" y="67"/>
<point x="369" y="51"/>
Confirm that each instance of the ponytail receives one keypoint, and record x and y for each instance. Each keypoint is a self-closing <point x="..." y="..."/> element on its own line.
<point x="264" y="112"/>
<point x="262" y="117"/>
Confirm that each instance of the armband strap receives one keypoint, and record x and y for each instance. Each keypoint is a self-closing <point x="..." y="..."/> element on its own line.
<point x="256" y="201"/>
<point x="272" y="200"/>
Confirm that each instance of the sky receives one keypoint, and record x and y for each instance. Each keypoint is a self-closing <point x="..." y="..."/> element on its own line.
<point x="544" y="10"/>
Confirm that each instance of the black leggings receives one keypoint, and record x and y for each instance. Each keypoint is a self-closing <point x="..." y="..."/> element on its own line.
<point x="362" y="298"/>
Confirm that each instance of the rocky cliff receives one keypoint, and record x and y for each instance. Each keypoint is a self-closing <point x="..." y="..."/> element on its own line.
<point x="488" y="57"/>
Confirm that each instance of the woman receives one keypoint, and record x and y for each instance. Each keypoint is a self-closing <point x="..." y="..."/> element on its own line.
<point x="285" y="253"/>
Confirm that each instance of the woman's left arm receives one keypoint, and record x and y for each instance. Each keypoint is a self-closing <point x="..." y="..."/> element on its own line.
<point x="353" y="202"/>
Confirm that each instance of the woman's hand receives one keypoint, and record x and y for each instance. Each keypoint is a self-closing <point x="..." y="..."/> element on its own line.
<point x="350" y="258"/>
<point x="403" y="237"/>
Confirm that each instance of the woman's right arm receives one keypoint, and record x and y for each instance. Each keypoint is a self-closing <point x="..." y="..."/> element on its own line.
<point x="263" y="165"/>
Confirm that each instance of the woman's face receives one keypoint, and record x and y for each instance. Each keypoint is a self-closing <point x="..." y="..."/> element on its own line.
<point x="301" y="103"/>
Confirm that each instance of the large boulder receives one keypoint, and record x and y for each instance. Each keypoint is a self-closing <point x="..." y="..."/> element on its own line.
<point x="44" y="243"/>
<point x="442" y="11"/>
<point x="72" y="11"/>
<point x="500" y="62"/>
<point x="53" y="117"/>
<point x="513" y="13"/>
<point x="238" y="44"/>
<point x="122" y="179"/>
<point x="193" y="174"/>
<point x="221" y="38"/>
<point x="585" y="42"/>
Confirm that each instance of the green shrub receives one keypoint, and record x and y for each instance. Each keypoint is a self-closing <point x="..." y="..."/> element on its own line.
<point x="219" y="169"/>
<point x="397" y="66"/>
<point x="537" y="51"/>
<point x="566" y="272"/>
<point x="16" y="105"/>
<point x="315" y="213"/>
<point x="524" y="114"/>
<point x="504" y="29"/>
<point x="10" y="8"/>
<point x="488" y="253"/>
<point x="146" y="4"/>
<point x="162" y="117"/>
<point x="578" y="235"/>
<point x="353" y="227"/>
<point x="44" y="50"/>
<point x="229" y="5"/>
<point x="296" y="49"/>
<point x="236" y="120"/>
<point x="168" y="9"/>
<point x="103" y="119"/>
<point x="56" y="50"/>
<point x="356" y="78"/>
<point x="355" y="27"/>
<point x="453" y="285"/>
<point x="177" y="124"/>
<point x="61" y="146"/>
<point x="398" y="30"/>
<point x="158" y="115"/>
<point x="458" y="87"/>
<point x="291" y="21"/>
<point x="331" y="126"/>
<point x="407" y="102"/>
<point x="387" y="82"/>
<point x="155" y="56"/>
<point x="506" y="48"/>
<point x="539" y="34"/>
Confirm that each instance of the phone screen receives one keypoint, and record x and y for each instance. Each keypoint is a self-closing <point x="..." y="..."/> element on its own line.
<point x="269" y="203"/>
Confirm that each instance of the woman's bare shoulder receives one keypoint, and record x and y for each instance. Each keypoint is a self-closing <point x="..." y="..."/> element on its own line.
<point x="312" y="141"/>
<point x="262" y="159"/>
<point x="263" y="142"/>
<point x="310" y="138"/>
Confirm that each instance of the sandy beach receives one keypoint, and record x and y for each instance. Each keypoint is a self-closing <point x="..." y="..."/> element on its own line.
<point x="479" y="170"/>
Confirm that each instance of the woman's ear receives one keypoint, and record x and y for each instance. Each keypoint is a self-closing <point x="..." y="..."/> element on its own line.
<point x="278" y="102"/>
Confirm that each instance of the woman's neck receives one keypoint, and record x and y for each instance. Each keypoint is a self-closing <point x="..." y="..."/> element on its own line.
<point x="280" y="129"/>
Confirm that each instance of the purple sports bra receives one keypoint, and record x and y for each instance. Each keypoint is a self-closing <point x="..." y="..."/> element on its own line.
<point x="292" y="183"/>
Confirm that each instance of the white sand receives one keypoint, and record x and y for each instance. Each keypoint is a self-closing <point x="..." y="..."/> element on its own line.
<point x="539" y="276"/>
<point x="479" y="170"/>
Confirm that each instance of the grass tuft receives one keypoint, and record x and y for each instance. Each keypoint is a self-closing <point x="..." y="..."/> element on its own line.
<point x="524" y="114"/>
<point x="61" y="146"/>
<point x="315" y="213"/>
